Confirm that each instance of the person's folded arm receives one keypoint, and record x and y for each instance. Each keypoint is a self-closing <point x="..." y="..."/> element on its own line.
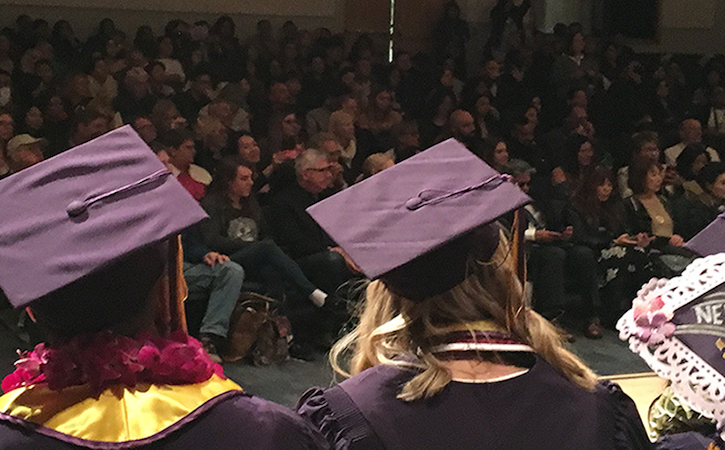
<point x="213" y="231"/>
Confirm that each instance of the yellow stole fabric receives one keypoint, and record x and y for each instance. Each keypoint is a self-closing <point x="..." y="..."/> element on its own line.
<point x="118" y="414"/>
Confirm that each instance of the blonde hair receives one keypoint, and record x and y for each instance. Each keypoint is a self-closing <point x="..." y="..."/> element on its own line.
<point x="375" y="163"/>
<point x="394" y="330"/>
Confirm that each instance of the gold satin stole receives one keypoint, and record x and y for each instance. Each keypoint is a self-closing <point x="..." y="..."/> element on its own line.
<point x="118" y="414"/>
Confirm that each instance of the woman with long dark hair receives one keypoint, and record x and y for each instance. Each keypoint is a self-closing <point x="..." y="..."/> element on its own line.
<point x="574" y="68"/>
<point x="439" y="106"/>
<point x="579" y="160"/>
<point x="485" y="117"/>
<point x="691" y="204"/>
<point x="380" y="116"/>
<point x="236" y="228"/>
<point x="598" y="222"/>
<point x="712" y="180"/>
<point x="496" y="153"/>
<point x="601" y="212"/>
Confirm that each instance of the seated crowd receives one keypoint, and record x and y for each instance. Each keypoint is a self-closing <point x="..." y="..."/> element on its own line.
<point x="619" y="151"/>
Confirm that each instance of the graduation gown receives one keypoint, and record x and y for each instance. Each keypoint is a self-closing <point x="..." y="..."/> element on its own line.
<point x="537" y="410"/>
<point x="215" y="414"/>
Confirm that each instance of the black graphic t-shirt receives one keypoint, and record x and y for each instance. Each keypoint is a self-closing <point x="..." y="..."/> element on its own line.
<point x="229" y="229"/>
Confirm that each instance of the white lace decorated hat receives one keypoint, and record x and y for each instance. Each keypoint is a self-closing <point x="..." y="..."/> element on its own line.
<point x="678" y="327"/>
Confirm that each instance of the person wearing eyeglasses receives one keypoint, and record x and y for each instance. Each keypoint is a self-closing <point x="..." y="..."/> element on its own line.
<point x="295" y="230"/>
<point x="320" y="258"/>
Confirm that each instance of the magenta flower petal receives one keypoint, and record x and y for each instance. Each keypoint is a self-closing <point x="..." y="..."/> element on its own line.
<point x="10" y="382"/>
<point x="643" y="333"/>
<point x="642" y="321"/>
<point x="104" y="359"/>
<point x="656" y="338"/>
<point x="658" y="319"/>
<point x="667" y="329"/>
<point x="149" y="355"/>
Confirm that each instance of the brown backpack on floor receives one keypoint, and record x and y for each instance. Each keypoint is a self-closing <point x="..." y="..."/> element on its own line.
<point x="256" y="331"/>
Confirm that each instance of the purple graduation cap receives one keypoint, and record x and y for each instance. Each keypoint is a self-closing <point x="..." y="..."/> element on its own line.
<point x="415" y="224"/>
<point x="711" y="240"/>
<point x="73" y="214"/>
<point x="678" y="327"/>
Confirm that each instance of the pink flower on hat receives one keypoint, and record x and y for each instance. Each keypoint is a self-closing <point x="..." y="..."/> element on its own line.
<point x="652" y="320"/>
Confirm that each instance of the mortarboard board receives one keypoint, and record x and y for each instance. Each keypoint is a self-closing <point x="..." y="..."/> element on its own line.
<point x="73" y="214"/>
<point x="414" y="224"/>
<point x="711" y="240"/>
<point x="677" y="327"/>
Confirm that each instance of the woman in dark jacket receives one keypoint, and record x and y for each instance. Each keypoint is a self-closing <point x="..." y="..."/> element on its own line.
<point x="712" y="180"/>
<point x="440" y="103"/>
<point x="579" y="161"/>
<point x="485" y="117"/>
<point x="236" y="228"/>
<point x="598" y="222"/>
<point x="598" y="214"/>
<point x="496" y="154"/>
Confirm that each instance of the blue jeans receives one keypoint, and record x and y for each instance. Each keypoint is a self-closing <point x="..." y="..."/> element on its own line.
<point x="222" y="283"/>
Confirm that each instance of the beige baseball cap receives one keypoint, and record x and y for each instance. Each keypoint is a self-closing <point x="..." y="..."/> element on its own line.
<point x="22" y="139"/>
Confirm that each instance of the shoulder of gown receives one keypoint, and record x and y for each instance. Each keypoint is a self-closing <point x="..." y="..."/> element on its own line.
<point x="629" y="432"/>
<point x="313" y="406"/>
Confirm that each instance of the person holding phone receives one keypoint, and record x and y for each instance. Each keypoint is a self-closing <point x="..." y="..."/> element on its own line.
<point x="598" y="221"/>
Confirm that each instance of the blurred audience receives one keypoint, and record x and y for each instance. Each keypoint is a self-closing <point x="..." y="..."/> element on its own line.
<point x="310" y="113"/>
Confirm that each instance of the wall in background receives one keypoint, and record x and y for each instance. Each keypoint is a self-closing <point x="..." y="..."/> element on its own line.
<point x="684" y="26"/>
<point x="267" y="7"/>
<point x="308" y="14"/>
<point x="689" y="26"/>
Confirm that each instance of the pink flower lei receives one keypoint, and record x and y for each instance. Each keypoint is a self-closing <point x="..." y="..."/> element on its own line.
<point x="652" y="320"/>
<point x="105" y="359"/>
